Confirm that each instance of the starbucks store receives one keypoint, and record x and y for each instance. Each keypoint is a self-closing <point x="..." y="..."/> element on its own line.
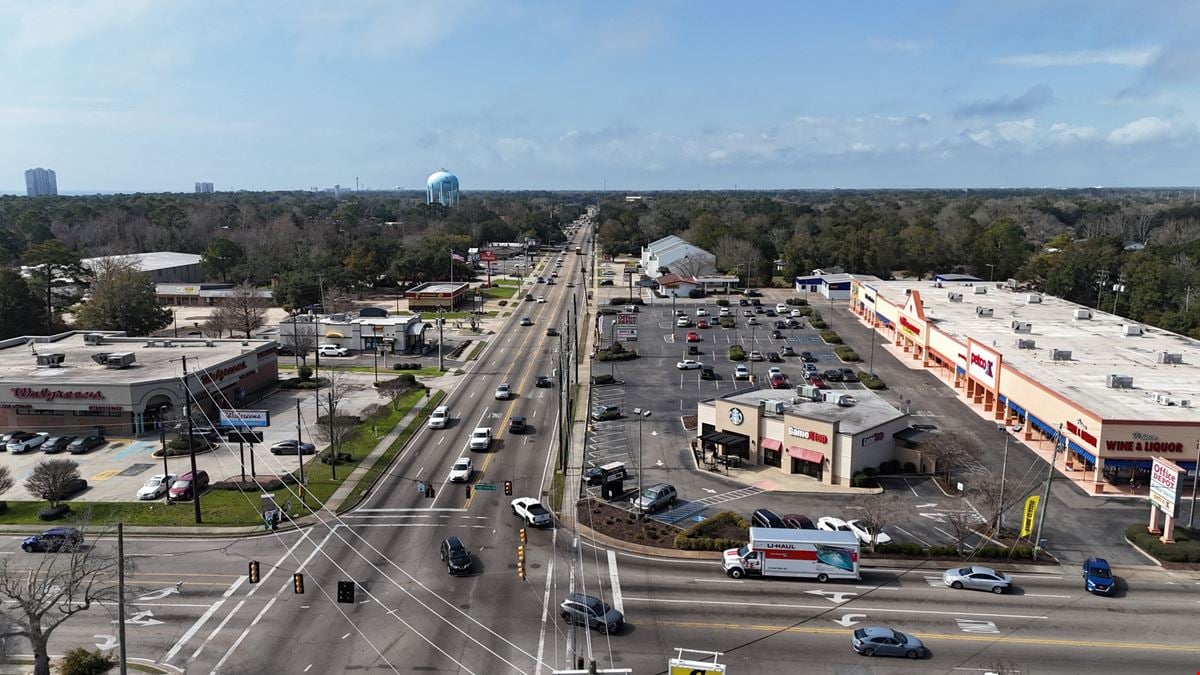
<point x="825" y="441"/>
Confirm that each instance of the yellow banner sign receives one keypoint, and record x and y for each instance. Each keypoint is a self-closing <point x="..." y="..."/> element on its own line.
<point x="1030" y="515"/>
<point x="685" y="667"/>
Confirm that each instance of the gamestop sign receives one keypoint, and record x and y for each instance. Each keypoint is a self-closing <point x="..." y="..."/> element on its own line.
<point x="983" y="364"/>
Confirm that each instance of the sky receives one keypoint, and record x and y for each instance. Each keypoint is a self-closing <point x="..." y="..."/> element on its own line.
<point x="151" y="96"/>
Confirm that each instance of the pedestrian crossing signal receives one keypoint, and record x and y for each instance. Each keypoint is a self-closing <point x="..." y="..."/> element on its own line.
<point x="298" y="583"/>
<point x="254" y="571"/>
<point x="345" y="593"/>
<point x="468" y="491"/>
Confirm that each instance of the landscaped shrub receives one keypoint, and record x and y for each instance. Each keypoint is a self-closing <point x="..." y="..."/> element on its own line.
<point x="723" y="531"/>
<point x="305" y="373"/>
<point x="80" y="661"/>
<point x="909" y="467"/>
<point x="53" y="512"/>
<point x="830" y="337"/>
<point x="1186" y="548"/>
<point x="736" y="353"/>
<point x="846" y="354"/>
<point x="871" y="381"/>
<point x="870" y="471"/>
<point x="603" y="379"/>
<point x="818" y="324"/>
<point x="859" y="479"/>
<point x="890" y="467"/>
<point x="612" y="355"/>
<point x="722" y="303"/>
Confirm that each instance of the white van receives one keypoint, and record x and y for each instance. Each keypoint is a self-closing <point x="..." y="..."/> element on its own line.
<point x="440" y="416"/>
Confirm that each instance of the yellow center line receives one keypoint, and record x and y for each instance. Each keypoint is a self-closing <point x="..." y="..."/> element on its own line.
<point x="1057" y="642"/>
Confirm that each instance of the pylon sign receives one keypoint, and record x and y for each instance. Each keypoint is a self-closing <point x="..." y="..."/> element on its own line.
<point x="685" y="667"/>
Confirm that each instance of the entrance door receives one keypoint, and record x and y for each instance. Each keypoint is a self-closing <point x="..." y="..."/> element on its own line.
<point x="773" y="458"/>
<point x="812" y="469"/>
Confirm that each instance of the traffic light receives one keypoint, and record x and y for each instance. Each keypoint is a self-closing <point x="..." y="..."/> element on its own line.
<point x="522" y="535"/>
<point x="521" y="559"/>
<point x="468" y="491"/>
<point x="508" y="488"/>
<point x="429" y="490"/>
<point x="346" y="592"/>
<point x="298" y="583"/>
<point x="254" y="571"/>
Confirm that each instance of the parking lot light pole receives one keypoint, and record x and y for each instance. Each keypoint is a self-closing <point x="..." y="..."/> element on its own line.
<point x="1195" y="479"/>
<point x="641" y="415"/>
<point x="162" y="439"/>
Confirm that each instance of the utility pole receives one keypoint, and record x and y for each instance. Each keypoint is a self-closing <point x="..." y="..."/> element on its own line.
<point x="441" y="363"/>
<point x="333" y="439"/>
<point x="1195" y="479"/>
<point x="1118" y="288"/>
<point x="874" y="337"/>
<point x="187" y="410"/>
<point x="1003" y="472"/>
<point x="1059" y="444"/>
<point x="121" y="594"/>
<point x="300" y="449"/>
<point x="1101" y="282"/>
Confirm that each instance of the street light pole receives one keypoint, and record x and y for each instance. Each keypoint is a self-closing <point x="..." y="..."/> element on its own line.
<point x="1003" y="472"/>
<point x="1059" y="444"/>
<point x="1195" y="479"/>
<point x="641" y="415"/>
<point x="441" y="363"/>
<point x="874" y="337"/>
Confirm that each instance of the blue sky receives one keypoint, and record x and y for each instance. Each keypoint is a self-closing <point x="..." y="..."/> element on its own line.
<point x="147" y="95"/>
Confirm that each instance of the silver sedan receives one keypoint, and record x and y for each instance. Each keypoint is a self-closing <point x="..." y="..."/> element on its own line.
<point x="977" y="578"/>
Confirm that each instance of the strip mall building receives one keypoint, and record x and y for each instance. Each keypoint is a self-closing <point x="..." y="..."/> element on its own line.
<point x="1120" y="392"/>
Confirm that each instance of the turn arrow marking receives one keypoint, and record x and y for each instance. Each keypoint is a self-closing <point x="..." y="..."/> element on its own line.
<point x="848" y="620"/>
<point x="143" y="618"/>
<point x="836" y="597"/>
<point x="927" y="506"/>
<point x="162" y="593"/>
<point x="110" y="642"/>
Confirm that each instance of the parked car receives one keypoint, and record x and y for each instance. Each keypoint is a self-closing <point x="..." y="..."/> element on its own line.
<point x="771" y="313"/>
<point x="71" y="488"/>
<point x="25" y="442"/>
<point x="156" y="486"/>
<point x="795" y="314"/>
<point x="526" y="321"/>
<point x="689" y="364"/>
<point x="815" y="381"/>
<point x="516" y="424"/>
<point x="503" y="392"/>
<point x="753" y="293"/>
<point x="693" y="336"/>
<point x="84" y="444"/>
<point x="700" y="311"/>
<point x="683" y="322"/>
<point x="793" y="323"/>
<point x="848" y="375"/>
<point x="53" y="540"/>
<point x="766" y="518"/>
<point x="332" y="350"/>
<point x="779" y="381"/>
<point x="481" y="438"/>
<point x="531" y="511"/>
<point x="755" y="355"/>
<point x="858" y="527"/>
<point x="655" y="497"/>
<point x="455" y="555"/>
<point x="777" y="335"/>
<point x="292" y="447"/>
<point x="55" y="444"/>
<point x="832" y="375"/>
<point x="707" y="373"/>
<point x="605" y="412"/>
<point x="461" y="471"/>
<point x="187" y="486"/>
<point x="880" y="641"/>
<point x="702" y="323"/>
<point x="552" y="332"/>
<point x="544" y="381"/>
<point x="592" y="612"/>
<point x="781" y="308"/>
<point x="810" y="368"/>
<point x="1097" y="576"/>
<point x="7" y="436"/>
<point x="798" y="522"/>
<point x="741" y="373"/>
<point x="788" y="350"/>
<point x="774" y="357"/>
<point x="977" y="579"/>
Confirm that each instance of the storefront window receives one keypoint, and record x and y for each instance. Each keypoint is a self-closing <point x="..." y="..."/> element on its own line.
<point x="812" y="469"/>
<point x="773" y="457"/>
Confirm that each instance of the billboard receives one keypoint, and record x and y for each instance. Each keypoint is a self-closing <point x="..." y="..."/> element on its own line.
<point x="1164" y="486"/>
<point x="983" y="364"/>
<point x="245" y="418"/>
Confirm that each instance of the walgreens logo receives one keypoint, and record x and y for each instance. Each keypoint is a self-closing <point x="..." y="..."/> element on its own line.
<point x="983" y="364"/>
<point x="52" y="395"/>
<point x="222" y="373"/>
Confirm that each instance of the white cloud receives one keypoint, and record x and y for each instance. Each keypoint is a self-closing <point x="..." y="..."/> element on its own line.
<point x="1147" y="130"/>
<point x="1132" y="57"/>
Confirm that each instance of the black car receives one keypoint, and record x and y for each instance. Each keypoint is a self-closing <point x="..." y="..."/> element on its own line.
<point x="544" y="381"/>
<point x="707" y="373"/>
<point x="752" y="293"/>
<point x="455" y="555"/>
<point x="792" y="323"/>
<point x="71" y="488"/>
<point x="776" y="335"/>
<point x="606" y="282"/>
<point x="743" y="302"/>
<point x="292" y="447"/>
<point x="848" y="375"/>
<point x="56" y="444"/>
<point x="84" y="444"/>
<point x="796" y="521"/>
<point x="758" y="308"/>
<point x="774" y="357"/>
<point x="771" y="313"/>
<point x="516" y="424"/>
<point x="832" y="375"/>
<point x="551" y="332"/>
<point x="808" y="357"/>
<point x="53" y="539"/>
<point x="780" y="325"/>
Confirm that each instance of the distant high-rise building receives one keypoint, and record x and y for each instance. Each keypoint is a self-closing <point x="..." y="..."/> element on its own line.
<point x="204" y="188"/>
<point x="40" y="182"/>
<point x="442" y="187"/>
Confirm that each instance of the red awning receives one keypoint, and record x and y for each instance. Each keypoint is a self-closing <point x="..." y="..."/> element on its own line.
<point x="806" y="455"/>
<point x="771" y="444"/>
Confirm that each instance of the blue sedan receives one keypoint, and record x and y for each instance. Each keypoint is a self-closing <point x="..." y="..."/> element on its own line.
<point x="1097" y="576"/>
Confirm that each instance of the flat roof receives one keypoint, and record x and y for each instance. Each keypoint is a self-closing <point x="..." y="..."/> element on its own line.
<point x="437" y="287"/>
<point x="149" y="262"/>
<point x="868" y="412"/>
<point x="18" y="364"/>
<point x="1098" y="347"/>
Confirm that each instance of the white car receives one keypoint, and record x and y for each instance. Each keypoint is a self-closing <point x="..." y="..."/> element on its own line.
<point x="683" y="322"/>
<point x="741" y="373"/>
<point x="859" y="528"/>
<point x="481" y="438"/>
<point x="774" y="370"/>
<point x="332" y="350"/>
<point x="461" y="471"/>
<point x="689" y="364"/>
<point x="156" y="487"/>
<point x="503" y="392"/>
<point x="26" y="442"/>
<point x="795" y="314"/>
<point x="781" y="308"/>
<point x="724" y="311"/>
<point x="755" y="355"/>
<point x="700" y="311"/>
<point x="531" y="511"/>
<point x="541" y="298"/>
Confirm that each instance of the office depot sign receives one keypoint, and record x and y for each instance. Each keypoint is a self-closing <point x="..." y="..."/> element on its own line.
<point x="983" y="364"/>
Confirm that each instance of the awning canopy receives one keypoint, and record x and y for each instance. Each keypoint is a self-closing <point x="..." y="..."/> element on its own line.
<point x="912" y="435"/>
<point x="334" y="334"/>
<point x="722" y="438"/>
<point x="771" y="444"/>
<point x="416" y="328"/>
<point x="806" y="455"/>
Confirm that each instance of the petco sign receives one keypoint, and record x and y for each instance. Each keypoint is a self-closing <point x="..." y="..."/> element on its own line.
<point x="983" y="364"/>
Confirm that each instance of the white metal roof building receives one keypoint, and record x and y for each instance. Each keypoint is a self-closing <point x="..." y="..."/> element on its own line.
<point x="164" y="267"/>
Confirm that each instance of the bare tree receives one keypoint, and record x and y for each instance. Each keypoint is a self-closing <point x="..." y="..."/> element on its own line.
<point x="300" y="336"/>
<point x="41" y="593"/>
<point x="243" y="309"/>
<point x="218" y="324"/>
<point x="949" y="450"/>
<point x="332" y="425"/>
<point x="396" y="388"/>
<point x="961" y="524"/>
<point x="50" y="477"/>
<point x="6" y="483"/>
<point x="878" y="512"/>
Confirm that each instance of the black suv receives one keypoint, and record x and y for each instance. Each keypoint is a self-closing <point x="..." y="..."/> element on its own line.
<point x="516" y="424"/>
<point x="707" y="373"/>
<point x="53" y="539"/>
<point x="455" y="555"/>
<point x="544" y="381"/>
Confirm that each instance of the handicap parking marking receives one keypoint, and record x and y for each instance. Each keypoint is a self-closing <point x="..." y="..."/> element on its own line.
<point x="106" y="474"/>
<point x="135" y="448"/>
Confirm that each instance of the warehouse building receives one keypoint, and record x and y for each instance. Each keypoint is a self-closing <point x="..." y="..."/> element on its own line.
<point x="163" y="267"/>
<point x="1110" y="392"/>
<point x="78" y="382"/>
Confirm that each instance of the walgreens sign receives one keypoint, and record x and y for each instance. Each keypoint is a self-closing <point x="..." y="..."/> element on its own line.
<point x="983" y="364"/>
<point x="51" y="395"/>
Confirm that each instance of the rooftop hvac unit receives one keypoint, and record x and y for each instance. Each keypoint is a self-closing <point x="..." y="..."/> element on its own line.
<point x="954" y="297"/>
<point x="209" y="343"/>
<point x="50" y="360"/>
<point x="1021" y="326"/>
<point x="980" y="290"/>
<point x="1083" y="314"/>
<point x="93" y="339"/>
<point x="1184" y="402"/>
<point x="119" y="360"/>
<point x="983" y="311"/>
<point x="937" y="284"/>
<point x="168" y="343"/>
<point x="1119" y="382"/>
<point x="1169" y="358"/>
<point x="1131" y="330"/>
<point x="1060" y="355"/>
<point x="774" y="407"/>
<point x="1164" y="400"/>
<point x="1033" y="299"/>
<point x="1026" y="344"/>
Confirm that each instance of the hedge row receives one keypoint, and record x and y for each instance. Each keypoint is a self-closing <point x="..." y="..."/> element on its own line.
<point x="1186" y="548"/>
<point x="699" y="537"/>
<point x="829" y="336"/>
<point x="722" y="303"/>
<point x="871" y="381"/>
<point x="624" y="355"/>
<point x="986" y="552"/>
<point x="406" y="366"/>
<point x="846" y="354"/>
<point x="736" y="353"/>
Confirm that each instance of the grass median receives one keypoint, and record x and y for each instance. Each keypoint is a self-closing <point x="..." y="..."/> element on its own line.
<point x="384" y="461"/>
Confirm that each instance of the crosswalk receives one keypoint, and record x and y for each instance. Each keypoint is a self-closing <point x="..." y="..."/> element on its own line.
<point x="694" y="507"/>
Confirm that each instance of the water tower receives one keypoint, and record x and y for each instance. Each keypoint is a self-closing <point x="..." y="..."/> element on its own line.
<point x="442" y="187"/>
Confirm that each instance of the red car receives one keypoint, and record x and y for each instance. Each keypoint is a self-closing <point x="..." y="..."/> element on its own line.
<point x="779" y="382"/>
<point x="693" y="336"/>
<point x="702" y="323"/>
<point x="818" y="383"/>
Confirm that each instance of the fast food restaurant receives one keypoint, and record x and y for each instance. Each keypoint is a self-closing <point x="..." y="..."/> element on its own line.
<point x="1110" y="393"/>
